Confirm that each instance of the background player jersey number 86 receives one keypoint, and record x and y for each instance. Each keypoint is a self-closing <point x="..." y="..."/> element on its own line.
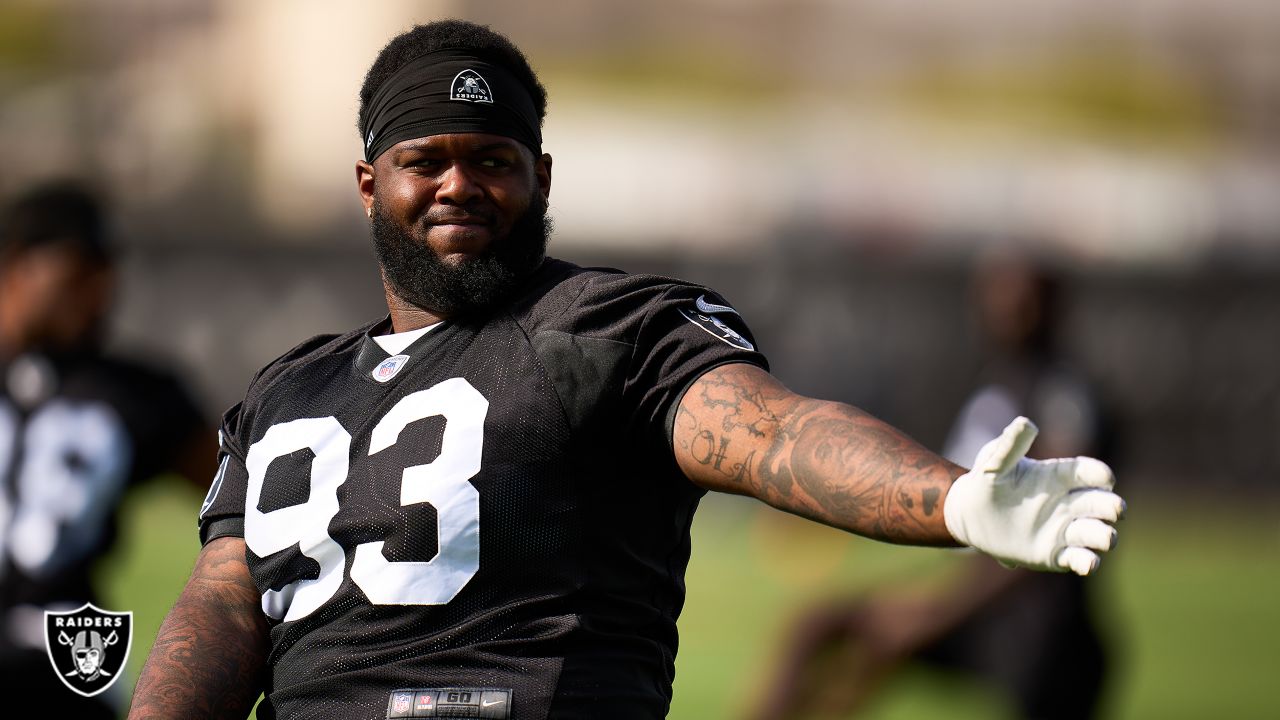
<point x="443" y="482"/>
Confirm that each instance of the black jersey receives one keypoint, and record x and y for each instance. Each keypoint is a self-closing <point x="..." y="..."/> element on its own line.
<point x="495" y="511"/>
<point x="75" y="432"/>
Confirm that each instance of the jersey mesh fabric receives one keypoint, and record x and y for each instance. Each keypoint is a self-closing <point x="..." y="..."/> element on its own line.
<point x="583" y="515"/>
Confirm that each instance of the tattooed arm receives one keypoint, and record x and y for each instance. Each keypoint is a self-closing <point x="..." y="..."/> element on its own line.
<point x="209" y="659"/>
<point x="739" y="430"/>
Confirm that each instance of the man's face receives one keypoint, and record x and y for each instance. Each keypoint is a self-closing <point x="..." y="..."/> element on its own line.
<point x="59" y="297"/>
<point x="457" y="218"/>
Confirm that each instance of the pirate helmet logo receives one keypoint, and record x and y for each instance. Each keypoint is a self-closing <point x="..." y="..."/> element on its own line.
<point x="88" y="646"/>
<point x="471" y="86"/>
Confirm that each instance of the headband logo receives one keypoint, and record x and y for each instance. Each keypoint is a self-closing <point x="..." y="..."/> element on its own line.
<point x="470" y="86"/>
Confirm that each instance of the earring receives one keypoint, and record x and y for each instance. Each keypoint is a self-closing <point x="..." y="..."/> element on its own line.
<point x="369" y="212"/>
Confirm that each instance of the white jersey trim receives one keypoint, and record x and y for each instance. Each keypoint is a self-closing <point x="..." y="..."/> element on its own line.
<point x="395" y="343"/>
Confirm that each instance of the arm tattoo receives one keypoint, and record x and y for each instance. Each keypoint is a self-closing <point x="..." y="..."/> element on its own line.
<point x="739" y="430"/>
<point x="209" y="659"/>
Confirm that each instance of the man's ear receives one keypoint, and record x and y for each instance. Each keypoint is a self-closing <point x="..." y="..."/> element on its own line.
<point x="365" y="184"/>
<point x="542" y="170"/>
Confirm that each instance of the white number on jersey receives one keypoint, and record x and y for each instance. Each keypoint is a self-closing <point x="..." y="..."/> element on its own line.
<point x="444" y="483"/>
<point x="75" y="460"/>
<point x="305" y="525"/>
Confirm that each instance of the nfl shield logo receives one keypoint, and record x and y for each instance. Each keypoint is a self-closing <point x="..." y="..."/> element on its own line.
<point x="88" y="646"/>
<point x="388" y="368"/>
<point x="401" y="704"/>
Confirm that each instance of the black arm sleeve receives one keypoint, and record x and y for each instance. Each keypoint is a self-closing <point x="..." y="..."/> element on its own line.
<point x="222" y="512"/>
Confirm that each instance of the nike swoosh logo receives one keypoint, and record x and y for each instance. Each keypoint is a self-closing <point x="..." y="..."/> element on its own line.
<point x="491" y="703"/>
<point x="710" y="308"/>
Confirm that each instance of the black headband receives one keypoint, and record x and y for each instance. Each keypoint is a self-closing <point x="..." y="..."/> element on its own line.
<point x="449" y="91"/>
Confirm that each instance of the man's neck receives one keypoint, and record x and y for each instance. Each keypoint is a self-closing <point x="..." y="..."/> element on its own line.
<point x="13" y="338"/>
<point x="406" y="316"/>
<point x="12" y="341"/>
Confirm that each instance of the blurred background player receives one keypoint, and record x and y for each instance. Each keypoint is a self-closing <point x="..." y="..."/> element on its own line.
<point x="1031" y="636"/>
<point x="78" y="428"/>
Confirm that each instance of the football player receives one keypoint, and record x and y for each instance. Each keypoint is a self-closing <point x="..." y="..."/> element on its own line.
<point x="480" y="504"/>
<point x="78" y="427"/>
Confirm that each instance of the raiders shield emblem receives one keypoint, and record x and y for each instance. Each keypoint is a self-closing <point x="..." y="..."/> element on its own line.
<point x="88" y="646"/>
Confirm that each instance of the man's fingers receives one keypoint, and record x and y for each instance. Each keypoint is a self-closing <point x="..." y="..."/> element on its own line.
<point x="1078" y="560"/>
<point x="1090" y="533"/>
<point x="1001" y="454"/>
<point x="1095" y="503"/>
<point x="1085" y="538"/>
<point x="1090" y="472"/>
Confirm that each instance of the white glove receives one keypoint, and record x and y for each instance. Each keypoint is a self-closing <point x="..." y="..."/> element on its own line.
<point x="1047" y="515"/>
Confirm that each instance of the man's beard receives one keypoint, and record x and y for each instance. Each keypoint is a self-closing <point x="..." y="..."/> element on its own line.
<point x="417" y="274"/>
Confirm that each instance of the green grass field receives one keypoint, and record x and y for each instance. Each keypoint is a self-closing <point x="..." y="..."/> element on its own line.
<point x="1193" y="591"/>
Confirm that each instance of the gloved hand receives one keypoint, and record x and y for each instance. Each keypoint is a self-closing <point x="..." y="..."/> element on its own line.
<point x="1047" y="515"/>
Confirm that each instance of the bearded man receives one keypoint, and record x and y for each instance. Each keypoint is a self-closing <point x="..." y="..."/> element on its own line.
<point x="480" y="504"/>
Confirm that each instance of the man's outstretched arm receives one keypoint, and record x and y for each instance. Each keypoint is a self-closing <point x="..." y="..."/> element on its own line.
<point x="209" y="658"/>
<point x="739" y="430"/>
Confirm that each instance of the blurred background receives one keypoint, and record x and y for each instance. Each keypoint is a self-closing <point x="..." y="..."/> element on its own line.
<point x="836" y="168"/>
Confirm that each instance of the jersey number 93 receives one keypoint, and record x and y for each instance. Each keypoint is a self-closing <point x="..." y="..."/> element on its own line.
<point x="443" y="482"/>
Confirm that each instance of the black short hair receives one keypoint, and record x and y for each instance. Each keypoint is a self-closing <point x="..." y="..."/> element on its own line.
<point x="486" y="43"/>
<point x="64" y="212"/>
